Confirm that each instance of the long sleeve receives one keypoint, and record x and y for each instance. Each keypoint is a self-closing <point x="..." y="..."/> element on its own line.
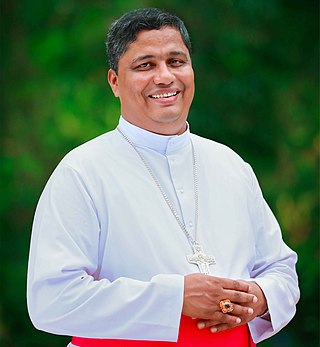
<point x="274" y="270"/>
<point x="107" y="257"/>
<point x="65" y="292"/>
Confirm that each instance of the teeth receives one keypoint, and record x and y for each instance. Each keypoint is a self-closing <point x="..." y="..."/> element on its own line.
<point x="165" y="95"/>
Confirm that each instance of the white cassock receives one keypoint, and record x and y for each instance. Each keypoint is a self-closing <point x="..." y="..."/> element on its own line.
<point x="107" y="257"/>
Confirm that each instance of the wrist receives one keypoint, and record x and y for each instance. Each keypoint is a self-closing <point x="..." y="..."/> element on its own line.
<point x="262" y="306"/>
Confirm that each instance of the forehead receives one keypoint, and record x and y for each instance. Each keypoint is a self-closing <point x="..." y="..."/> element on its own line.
<point x="156" y="42"/>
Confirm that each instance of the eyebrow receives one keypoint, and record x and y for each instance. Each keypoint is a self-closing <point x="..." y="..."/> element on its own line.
<point x="150" y="56"/>
<point x="177" y="53"/>
<point x="143" y="57"/>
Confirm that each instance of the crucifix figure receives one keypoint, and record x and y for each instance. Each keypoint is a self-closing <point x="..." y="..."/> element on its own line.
<point x="201" y="259"/>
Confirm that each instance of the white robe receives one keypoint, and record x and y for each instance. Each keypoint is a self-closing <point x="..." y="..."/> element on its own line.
<point x="107" y="257"/>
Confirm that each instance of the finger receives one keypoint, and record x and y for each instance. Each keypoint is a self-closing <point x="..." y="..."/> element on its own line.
<point x="240" y="297"/>
<point x="240" y="285"/>
<point x="239" y="310"/>
<point x="234" y="318"/>
<point x="226" y="320"/>
<point x="215" y="328"/>
<point x="221" y="327"/>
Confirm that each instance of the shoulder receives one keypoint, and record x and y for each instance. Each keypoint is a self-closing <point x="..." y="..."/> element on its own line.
<point x="84" y="165"/>
<point x="215" y="149"/>
<point x="221" y="158"/>
<point x="91" y="152"/>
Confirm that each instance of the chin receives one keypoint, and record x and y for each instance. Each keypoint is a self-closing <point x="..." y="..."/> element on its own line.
<point x="170" y="125"/>
<point x="169" y="118"/>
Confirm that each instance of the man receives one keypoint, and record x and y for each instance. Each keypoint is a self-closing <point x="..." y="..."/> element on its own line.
<point x="148" y="234"/>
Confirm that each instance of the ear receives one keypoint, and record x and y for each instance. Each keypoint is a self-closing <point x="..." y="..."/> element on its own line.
<point x="113" y="81"/>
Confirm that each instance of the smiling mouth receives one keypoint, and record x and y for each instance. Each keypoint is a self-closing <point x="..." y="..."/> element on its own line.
<point x="164" y="95"/>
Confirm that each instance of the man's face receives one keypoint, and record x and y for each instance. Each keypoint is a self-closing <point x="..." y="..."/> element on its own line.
<point x="155" y="81"/>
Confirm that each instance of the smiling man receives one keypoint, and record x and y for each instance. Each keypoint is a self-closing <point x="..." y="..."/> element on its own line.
<point x="149" y="235"/>
<point x="155" y="82"/>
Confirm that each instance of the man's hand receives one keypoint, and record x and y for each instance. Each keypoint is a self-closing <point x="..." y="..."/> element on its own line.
<point x="203" y="293"/>
<point x="244" y="311"/>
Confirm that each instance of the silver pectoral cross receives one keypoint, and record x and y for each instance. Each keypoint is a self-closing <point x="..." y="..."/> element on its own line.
<point x="201" y="259"/>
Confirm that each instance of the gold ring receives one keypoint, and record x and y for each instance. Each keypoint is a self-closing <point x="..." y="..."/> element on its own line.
<point x="226" y="306"/>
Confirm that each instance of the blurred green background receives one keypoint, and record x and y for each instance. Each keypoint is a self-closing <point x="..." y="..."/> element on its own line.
<point x="256" y="66"/>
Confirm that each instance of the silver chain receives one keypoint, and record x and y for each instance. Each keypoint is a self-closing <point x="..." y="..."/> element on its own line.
<point x="168" y="202"/>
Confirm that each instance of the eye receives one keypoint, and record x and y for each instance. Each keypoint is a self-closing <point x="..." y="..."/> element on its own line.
<point x="176" y="62"/>
<point x="144" y="66"/>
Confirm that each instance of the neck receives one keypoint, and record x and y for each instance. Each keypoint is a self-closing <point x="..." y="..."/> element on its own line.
<point x="166" y="129"/>
<point x="155" y="141"/>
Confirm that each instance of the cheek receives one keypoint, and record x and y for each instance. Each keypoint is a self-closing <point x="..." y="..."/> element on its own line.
<point x="189" y="83"/>
<point x="136" y="88"/>
<point x="188" y="80"/>
<point x="132" y="94"/>
<point x="191" y="80"/>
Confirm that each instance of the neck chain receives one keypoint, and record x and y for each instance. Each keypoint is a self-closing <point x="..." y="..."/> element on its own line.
<point x="199" y="257"/>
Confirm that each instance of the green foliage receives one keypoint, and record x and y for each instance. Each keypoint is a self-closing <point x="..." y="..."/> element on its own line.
<point x="256" y="65"/>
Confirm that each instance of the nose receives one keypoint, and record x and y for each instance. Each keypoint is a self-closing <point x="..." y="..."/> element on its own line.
<point x="163" y="75"/>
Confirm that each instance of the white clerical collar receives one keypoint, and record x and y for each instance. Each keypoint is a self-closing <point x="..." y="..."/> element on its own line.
<point x="160" y="143"/>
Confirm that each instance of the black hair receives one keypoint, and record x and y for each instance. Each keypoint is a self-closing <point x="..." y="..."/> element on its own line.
<point x="124" y="30"/>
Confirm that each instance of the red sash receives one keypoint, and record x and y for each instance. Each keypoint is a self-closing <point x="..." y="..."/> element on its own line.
<point x="189" y="336"/>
